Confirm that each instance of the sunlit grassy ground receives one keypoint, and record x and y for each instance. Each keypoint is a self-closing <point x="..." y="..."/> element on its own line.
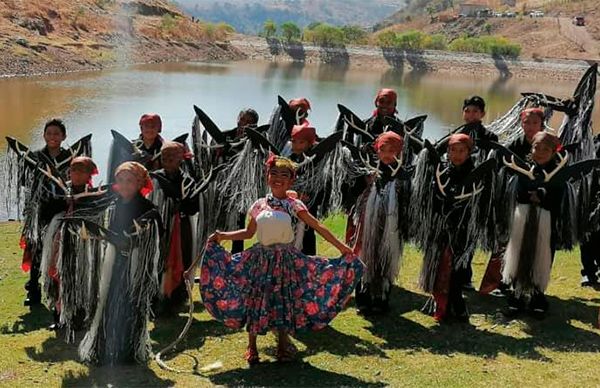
<point x="405" y="348"/>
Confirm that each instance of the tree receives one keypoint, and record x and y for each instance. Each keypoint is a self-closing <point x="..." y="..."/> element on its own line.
<point x="386" y="39"/>
<point x="269" y="28"/>
<point x="327" y="35"/>
<point x="290" y="31"/>
<point x="354" y="34"/>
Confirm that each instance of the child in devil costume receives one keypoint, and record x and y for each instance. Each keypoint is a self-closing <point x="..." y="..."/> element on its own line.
<point x="40" y="202"/>
<point x="532" y="122"/>
<point x="473" y="112"/>
<point x="129" y="281"/>
<point x="303" y="138"/>
<point x="540" y="224"/>
<point x="150" y="141"/>
<point x="247" y="118"/>
<point x="590" y="243"/>
<point x="379" y="223"/>
<point x="273" y="285"/>
<point x="177" y="201"/>
<point x="385" y="106"/>
<point x="446" y="208"/>
<point x="69" y="258"/>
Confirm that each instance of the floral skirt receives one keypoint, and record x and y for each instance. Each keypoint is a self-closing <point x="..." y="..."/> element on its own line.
<point x="276" y="287"/>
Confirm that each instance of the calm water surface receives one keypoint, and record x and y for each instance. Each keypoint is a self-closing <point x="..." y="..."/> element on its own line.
<point x="96" y="102"/>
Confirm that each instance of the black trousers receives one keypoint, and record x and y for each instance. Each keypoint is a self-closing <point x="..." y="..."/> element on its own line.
<point x="590" y="257"/>
<point x="238" y="245"/>
<point x="309" y="242"/>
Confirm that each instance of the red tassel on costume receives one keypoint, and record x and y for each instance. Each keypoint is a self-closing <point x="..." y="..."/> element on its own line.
<point x="442" y="285"/>
<point x="148" y="187"/>
<point x="493" y="275"/>
<point x="173" y="275"/>
<point x="26" y="262"/>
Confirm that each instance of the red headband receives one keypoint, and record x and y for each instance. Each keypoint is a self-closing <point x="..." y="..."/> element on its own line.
<point x="547" y="139"/>
<point x="390" y="93"/>
<point x="389" y="138"/>
<point x="87" y="163"/>
<point x="151" y="118"/>
<point x="533" y="112"/>
<point x="297" y="103"/>
<point x="140" y="173"/>
<point x="304" y="132"/>
<point x="461" y="138"/>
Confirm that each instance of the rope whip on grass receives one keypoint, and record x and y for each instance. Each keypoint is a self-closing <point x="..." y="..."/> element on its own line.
<point x="186" y="328"/>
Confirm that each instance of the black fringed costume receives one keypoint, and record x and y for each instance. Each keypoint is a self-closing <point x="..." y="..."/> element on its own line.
<point x="128" y="282"/>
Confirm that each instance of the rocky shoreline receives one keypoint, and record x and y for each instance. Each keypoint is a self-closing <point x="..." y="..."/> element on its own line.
<point x="243" y="47"/>
<point x="113" y="56"/>
<point x="443" y="62"/>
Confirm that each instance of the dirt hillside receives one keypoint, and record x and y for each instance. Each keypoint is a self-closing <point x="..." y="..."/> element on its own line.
<point x="551" y="36"/>
<point x="39" y="36"/>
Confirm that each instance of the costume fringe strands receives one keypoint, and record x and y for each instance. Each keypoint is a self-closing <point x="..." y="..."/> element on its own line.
<point x="245" y="183"/>
<point x="382" y="238"/>
<point x="577" y="124"/>
<point x="70" y="273"/>
<point x="528" y="257"/>
<point x="129" y="282"/>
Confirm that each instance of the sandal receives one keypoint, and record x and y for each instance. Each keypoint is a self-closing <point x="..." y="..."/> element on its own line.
<point x="288" y="353"/>
<point x="251" y="356"/>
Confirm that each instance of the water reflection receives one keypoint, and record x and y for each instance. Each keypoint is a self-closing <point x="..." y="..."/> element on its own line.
<point x="25" y="104"/>
<point x="99" y="101"/>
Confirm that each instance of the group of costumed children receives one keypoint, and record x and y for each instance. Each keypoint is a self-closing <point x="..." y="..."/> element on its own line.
<point x="114" y="256"/>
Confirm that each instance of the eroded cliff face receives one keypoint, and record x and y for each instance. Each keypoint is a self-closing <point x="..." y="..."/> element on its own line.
<point x="38" y="36"/>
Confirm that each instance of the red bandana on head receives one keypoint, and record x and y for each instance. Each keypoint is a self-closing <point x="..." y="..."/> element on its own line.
<point x="386" y="93"/>
<point x="151" y="118"/>
<point x="86" y="163"/>
<point x="391" y="139"/>
<point x="533" y="112"/>
<point x="548" y="140"/>
<point x="299" y="103"/>
<point x="304" y="132"/>
<point x="461" y="138"/>
<point x="141" y="175"/>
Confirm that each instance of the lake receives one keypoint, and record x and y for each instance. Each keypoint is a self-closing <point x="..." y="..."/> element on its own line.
<point x="95" y="102"/>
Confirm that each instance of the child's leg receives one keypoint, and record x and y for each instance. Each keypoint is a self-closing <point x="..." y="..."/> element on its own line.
<point x="252" y="342"/>
<point x="285" y="349"/>
<point x="251" y="355"/>
<point x="283" y="340"/>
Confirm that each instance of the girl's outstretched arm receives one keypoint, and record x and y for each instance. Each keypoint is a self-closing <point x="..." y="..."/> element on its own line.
<point x="312" y="222"/>
<point x="242" y="234"/>
<point x="218" y="236"/>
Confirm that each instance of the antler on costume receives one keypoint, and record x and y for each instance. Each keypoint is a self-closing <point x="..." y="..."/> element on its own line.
<point x="515" y="167"/>
<point x="563" y="159"/>
<point x="438" y="179"/>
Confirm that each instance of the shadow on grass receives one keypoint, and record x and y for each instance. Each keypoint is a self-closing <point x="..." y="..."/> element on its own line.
<point x="555" y="332"/>
<point x="38" y="317"/>
<point x="166" y="330"/>
<point x="296" y="374"/>
<point x="120" y="376"/>
<point x="56" y="350"/>
<point x="332" y="341"/>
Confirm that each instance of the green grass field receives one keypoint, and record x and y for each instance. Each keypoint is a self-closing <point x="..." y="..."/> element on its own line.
<point x="404" y="348"/>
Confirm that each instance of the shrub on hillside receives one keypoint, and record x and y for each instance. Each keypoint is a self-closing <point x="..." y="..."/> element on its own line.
<point x="493" y="45"/>
<point x="325" y="35"/>
<point x="411" y="40"/>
